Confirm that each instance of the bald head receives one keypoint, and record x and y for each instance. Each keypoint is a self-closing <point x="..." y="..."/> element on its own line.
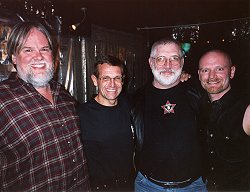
<point x="214" y="54"/>
<point x="215" y="72"/>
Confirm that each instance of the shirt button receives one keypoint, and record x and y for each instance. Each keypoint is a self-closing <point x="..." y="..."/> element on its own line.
<point x="211" y="135"/>
<point x="212" y="168"/>
<point x="227" y="138"/>
<point x="75" y="179"/>
<point x="74" y="160"/>
<point x="212" y="152"/>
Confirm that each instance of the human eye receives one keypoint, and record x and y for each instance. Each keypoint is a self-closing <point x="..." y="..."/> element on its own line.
<point x="174" y="59"/>
<point x="220" y="69"/>
<point x="45" y="49"/>
<point x="27" y="50"/>
<point x="203" y="70"/>
<point x="160" y="60"/>
<point x="118" y="79"/>
<point x="106" y="78"/>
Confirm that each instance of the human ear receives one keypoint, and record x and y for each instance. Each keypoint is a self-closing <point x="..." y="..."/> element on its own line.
<point x="94" y="79"/>
<point x="13" y="58"/>
<point x="232" y="72"/>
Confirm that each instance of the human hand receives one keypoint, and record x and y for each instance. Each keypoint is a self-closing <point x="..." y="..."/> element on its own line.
<point x="184" y="76"/>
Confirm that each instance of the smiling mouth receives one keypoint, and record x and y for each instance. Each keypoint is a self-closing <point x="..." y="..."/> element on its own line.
<point x="213" y="82"/>
<point x="166" y="72"/>
<point x="41" y="65"/>
<point x="111" y="90"/>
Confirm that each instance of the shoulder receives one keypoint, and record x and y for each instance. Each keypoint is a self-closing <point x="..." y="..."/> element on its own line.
<point x="84" y="108"/>
<point x="124" y="98"/>
<point x="11" y="82"/>
<point x="141" y="92"/>
<point x="192" y="90"/>
<point x="246" y="121"/>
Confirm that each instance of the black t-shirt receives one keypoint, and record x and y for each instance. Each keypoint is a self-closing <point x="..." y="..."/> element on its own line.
<point x="108" y="142"/>
<point x="171" y="149"/>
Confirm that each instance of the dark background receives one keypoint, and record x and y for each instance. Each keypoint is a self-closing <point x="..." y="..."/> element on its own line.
<point x="154" y="19"/>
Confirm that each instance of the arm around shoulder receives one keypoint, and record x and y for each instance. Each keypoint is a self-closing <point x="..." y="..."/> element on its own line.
<point x="246" y="121"/>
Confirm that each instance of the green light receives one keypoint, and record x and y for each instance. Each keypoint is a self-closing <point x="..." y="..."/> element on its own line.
<point x="186" y="47"/>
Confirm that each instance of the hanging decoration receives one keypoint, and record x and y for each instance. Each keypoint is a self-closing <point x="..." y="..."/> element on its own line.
<point x="43" y="9"/>
<point x="32" y="9"/>
<point x="240" y="30"/>
<point x="234" y="29"/>
<point x="186" y="33"/>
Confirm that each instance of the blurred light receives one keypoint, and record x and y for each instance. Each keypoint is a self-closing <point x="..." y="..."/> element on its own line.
<point x="186" y="47"/>
<point x="75" y="26"/>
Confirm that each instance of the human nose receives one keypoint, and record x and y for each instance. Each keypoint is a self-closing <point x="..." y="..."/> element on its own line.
<point x="38" y="55"/>
<point x="167" y="63"/>
<point x="112" y="82"/>
<point x="212" y="74"/>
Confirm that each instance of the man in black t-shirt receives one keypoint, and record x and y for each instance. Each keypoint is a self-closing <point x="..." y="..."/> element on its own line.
<point x="165" y="116"/>
<point x="106" y="130"/>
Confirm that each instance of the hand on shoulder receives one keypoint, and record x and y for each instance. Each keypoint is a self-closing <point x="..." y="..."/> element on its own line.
<point x="184" y="76"/>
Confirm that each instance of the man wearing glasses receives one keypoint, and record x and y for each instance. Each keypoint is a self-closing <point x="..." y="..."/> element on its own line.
<point x="106" y="130"/>
<point x="165" y="116"/>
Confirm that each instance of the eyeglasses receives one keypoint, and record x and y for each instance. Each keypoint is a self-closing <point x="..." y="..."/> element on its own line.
<point x="161" y="60"/>
<point x="107" y="79"/>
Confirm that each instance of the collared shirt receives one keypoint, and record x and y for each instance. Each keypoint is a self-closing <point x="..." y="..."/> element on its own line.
<point x="40" y="147"/>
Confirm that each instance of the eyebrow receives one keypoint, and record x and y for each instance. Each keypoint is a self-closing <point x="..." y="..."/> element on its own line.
<point x="29" y="47"/>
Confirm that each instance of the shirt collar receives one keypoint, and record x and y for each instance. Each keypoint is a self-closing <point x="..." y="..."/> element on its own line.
<point x="226" y="99"/>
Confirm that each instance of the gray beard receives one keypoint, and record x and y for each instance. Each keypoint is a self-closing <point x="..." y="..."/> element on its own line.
<point x="169" y="80"/>
<point x="38" y="83"/>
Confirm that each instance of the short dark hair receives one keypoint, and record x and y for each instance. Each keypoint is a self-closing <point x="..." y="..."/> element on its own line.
<point x="110" y="60"/>
<point x="19" y="34"/>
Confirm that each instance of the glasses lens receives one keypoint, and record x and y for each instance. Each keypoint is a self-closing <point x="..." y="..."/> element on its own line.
<point x="108" y="79"/>
<point x="175" y="60"/>
<point x="160" y="60"/>
<point x="118" y="79"/>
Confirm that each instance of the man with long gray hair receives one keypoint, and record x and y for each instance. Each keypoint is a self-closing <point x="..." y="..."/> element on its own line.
<point x="40" y="146"/>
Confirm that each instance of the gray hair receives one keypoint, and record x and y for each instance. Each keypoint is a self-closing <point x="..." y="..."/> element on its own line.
<point x="165" y="41"/>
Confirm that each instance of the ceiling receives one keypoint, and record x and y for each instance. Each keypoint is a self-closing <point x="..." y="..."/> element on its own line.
<point x="130" y="15"/>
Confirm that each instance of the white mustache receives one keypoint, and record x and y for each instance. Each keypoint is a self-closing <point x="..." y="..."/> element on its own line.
<point x="166" y="70"/>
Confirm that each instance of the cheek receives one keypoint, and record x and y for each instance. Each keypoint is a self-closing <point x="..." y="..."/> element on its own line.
<point x="49" y="57"/>
<point x="202" y="77"/>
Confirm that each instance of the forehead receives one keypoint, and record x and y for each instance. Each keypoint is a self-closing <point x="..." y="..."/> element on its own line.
<point x="169" y="48"/>
<point x="107" y="69"/>
<point x="214" y="59"/>
<point x="35" y="35"/>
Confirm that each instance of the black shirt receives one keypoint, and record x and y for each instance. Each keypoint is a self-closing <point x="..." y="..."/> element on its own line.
<point x="107" y="136"/>
<point x="171" y="149"/>
<point x="228" y="144"/>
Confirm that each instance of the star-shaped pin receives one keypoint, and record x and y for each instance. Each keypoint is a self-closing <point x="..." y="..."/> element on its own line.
<point x="168" y="107"/>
